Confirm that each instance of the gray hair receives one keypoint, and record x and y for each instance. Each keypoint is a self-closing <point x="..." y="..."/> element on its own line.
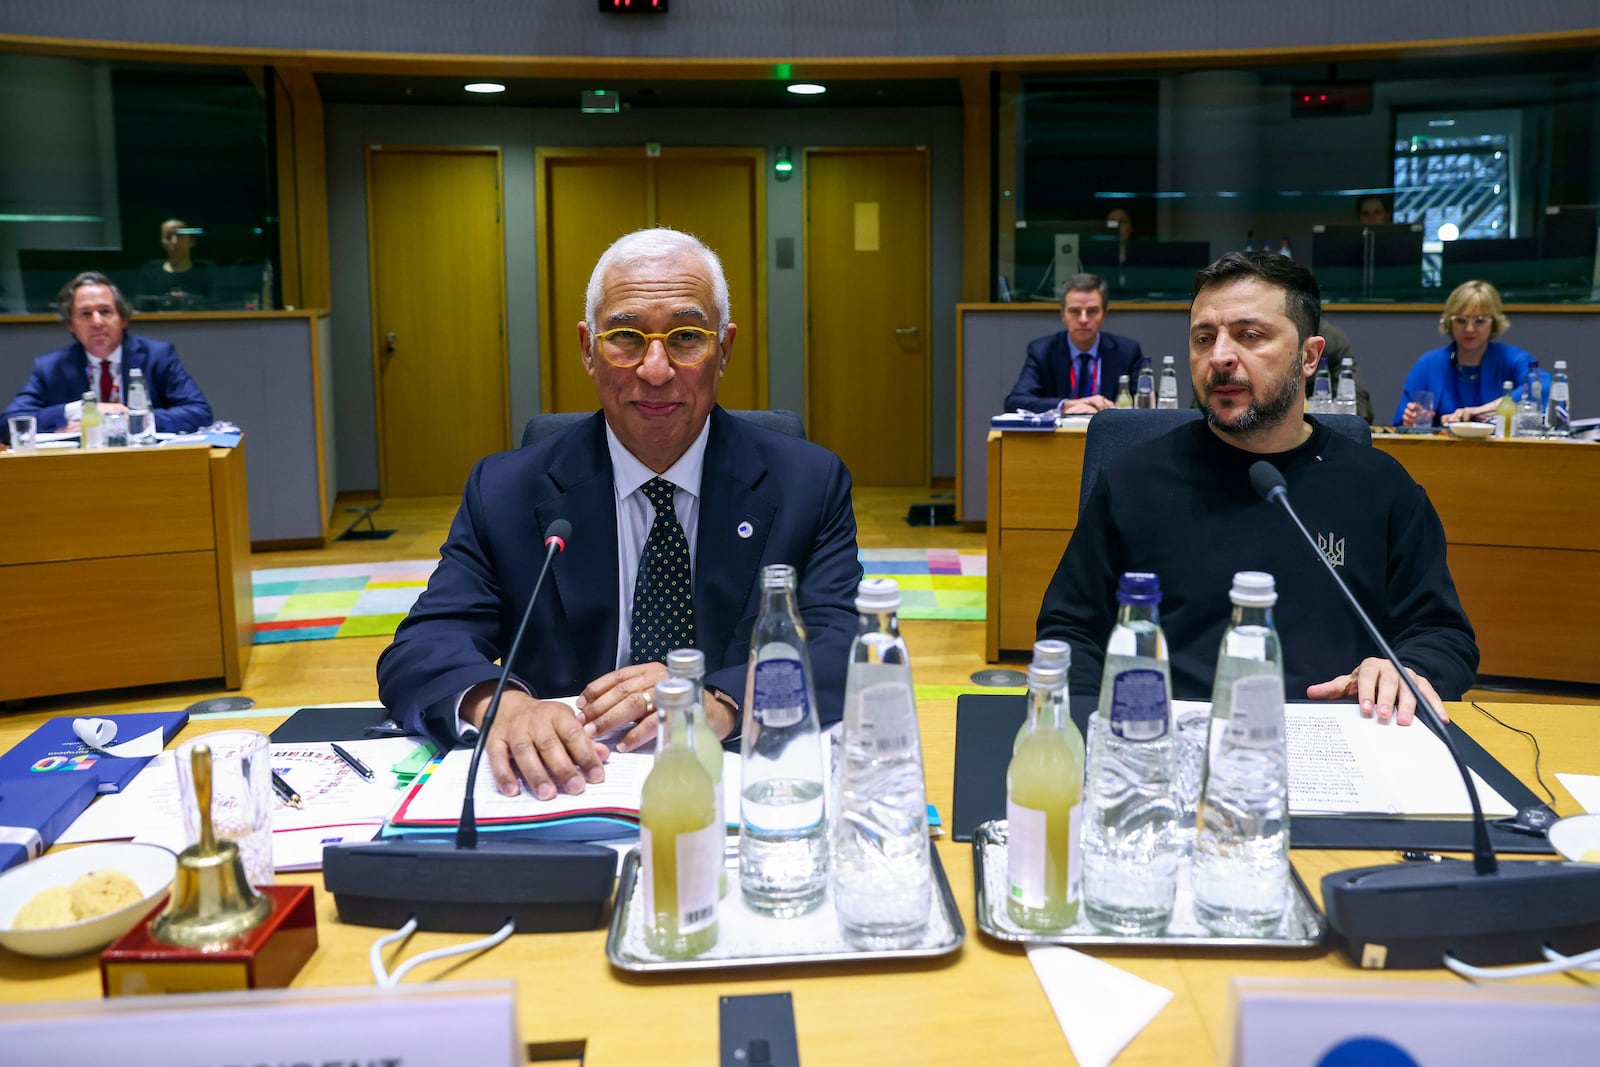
<point x="642" y="246"/>
<point x="69" y="295"/>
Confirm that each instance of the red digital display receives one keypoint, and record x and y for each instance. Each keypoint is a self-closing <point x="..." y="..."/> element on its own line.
<point x="633" y="7"/>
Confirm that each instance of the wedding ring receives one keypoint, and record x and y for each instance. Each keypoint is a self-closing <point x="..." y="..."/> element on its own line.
<point x="649" y="702"/>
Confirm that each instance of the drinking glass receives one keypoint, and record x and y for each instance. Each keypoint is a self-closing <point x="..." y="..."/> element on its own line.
<point x="141" y="427"/>
<point x="114" y="429"/>
<point x="23" y="433"/>
<point x="1423" y="398"/>
<point x="241" y="796"/>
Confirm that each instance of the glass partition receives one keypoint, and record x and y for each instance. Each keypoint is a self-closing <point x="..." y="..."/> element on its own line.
<point x="156" y="175"/>
<point x="1393" y="180"/>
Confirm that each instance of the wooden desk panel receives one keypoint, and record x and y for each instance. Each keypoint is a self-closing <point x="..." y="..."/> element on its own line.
<point x="134" y="569"/>
<point x="116" y="502"/>
<point x="981" y="1005"/>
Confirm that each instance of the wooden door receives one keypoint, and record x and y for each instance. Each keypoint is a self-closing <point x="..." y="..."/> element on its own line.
<point x="591" y="196"/>
<point x="867" y="353"/>
<point x="437" y="259"/>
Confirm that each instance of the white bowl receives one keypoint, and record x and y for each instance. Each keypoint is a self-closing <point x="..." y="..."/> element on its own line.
<point x="1476" y="430"/>
<point x="1577" y="838"/>
<point x="151" y="867"/>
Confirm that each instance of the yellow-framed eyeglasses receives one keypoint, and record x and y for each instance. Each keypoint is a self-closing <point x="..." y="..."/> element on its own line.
<point x="685" y="345"/>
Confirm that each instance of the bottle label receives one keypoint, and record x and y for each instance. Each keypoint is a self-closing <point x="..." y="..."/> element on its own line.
<point x="1026" y="850"/>
<point x="699" y="866"/>
<point x="779" y="693"/>
<point x="1139" y="705"/>
<point x="1257" y="711"/>
<point x="888" y="718"/>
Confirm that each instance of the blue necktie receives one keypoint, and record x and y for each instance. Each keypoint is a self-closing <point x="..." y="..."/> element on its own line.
<point x="1085" y="381"/>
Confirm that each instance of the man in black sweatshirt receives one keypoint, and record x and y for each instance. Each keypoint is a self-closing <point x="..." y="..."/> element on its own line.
<point x="1182" y="506"/>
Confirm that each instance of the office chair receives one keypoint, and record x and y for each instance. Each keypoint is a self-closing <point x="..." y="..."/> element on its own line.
<point x="1113" y="431"/>
<point x="779" y="419"/>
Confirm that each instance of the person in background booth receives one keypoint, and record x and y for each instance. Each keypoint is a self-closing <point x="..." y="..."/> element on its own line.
<point x="1075" y="371"/>
<point x="1467" y="376"/>
<point x="99" y="360"/>
<point x="177" y="282"/>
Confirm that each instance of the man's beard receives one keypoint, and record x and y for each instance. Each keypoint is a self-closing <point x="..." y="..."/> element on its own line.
<point x="1261" y="414"/>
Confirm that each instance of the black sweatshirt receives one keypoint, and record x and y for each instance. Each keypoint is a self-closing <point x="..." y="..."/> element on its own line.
<point x="1182" y="507"/>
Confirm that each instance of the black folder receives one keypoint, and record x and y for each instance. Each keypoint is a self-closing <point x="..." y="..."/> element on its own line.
<point x="987" y="725"/>
<point x="334" y="724"/>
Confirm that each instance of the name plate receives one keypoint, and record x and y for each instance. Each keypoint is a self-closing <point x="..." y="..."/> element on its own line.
<point x="284" y="1027"/>
<point x="1364" y="1023"/>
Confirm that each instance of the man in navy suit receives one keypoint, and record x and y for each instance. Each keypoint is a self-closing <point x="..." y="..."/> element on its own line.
<point x="99" y="361"/>
<point x="656" y="342"/>
<point x="1075" y="372"/>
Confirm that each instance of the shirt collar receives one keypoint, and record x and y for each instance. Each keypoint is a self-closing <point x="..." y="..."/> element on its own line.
<point x="1093" y="351"/>
<point x="628" y="473"/>
<point x="115" y="357"/>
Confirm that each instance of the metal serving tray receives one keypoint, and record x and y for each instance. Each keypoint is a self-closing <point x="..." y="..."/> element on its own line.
<point x="746" y="939"/>
<point x="1303" y="926"/>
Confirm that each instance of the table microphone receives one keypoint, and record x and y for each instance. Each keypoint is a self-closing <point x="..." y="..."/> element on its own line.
<point x="1409" y="915"/>
<point x="466" y="887"/>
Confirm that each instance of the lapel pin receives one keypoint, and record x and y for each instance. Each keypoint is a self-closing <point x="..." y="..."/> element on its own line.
<point x="745" y="530"/>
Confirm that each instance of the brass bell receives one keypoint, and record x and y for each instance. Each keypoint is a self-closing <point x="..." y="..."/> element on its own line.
<point x="212" y="901"/>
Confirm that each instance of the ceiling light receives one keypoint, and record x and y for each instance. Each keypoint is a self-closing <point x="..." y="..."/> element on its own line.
<point x="484" y="87"/>
<point x="807" y="89"/>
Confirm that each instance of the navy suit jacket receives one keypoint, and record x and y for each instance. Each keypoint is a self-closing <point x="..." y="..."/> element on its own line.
<point x="60" y="377"/>
<point x="1046" y="377"/>
<point x="794" y="495"/>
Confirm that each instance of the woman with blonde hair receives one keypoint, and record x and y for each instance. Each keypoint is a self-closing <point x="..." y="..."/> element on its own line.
<point x="1467" y="375"/>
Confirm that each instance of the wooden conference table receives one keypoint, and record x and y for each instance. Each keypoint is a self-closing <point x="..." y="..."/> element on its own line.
<point x="124" y="567"/>
<point x="981" y="1004"/>
<point x="1520" y="517"/>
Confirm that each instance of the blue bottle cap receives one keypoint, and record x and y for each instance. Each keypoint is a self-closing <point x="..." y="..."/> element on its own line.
<point x="1139" y="587"/>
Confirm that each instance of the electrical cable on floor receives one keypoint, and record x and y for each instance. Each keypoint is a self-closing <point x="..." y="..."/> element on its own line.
<point x="386" y="980"/>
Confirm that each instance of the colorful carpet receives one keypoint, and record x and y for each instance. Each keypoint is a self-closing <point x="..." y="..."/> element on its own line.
<point x="370" y="599"/>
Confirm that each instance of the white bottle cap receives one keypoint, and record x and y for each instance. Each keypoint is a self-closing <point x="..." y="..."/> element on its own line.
<point x="874" y="596"/>
<point x="1561" y="364"/>
<point x="1254" y="589"/>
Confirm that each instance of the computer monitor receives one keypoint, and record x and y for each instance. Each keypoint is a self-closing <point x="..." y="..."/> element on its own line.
<point x="1568" y="240"/>
<point x="1162" y="269"/>
<point x="1357" y="262"/>
<point x="46" y="270"/>
<point x="1510" y="264"/>
<point x="1049" y="251"/>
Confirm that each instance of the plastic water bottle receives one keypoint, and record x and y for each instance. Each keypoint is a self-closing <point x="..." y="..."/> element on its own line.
<point x="1322" y="390"/>
<point x="680" y="839"/>
<point x="1130" y="852"/>
<point x="882" y="877"/>
<point x="1284" y="250"/>
<point x="690" y="665"/>
<point x="1345" y="400"/>
<point x="141" y="422"/>
<point x="1558" y="416"/>
<point x="1044" y="796"/>
<point x="783" y="830"/>
<point x="1167" y="395"/>
<point x="90" y="434"/>
<point x="1144" y="395"/>
<point x="1240" y="873"/>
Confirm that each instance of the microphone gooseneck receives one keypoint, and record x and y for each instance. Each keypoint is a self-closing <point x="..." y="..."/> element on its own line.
<point x="1268" y="481"/>
<point x="467" y="831"/>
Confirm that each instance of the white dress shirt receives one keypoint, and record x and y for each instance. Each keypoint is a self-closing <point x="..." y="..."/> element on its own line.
<point x="73" y="410"/>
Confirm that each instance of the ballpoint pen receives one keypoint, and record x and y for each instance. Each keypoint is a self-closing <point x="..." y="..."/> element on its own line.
<point x="286" y="791"/>
<point x="356" y="765"/>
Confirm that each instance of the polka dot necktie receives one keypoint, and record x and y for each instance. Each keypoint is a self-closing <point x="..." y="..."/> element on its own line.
<point x="663" y="600"/>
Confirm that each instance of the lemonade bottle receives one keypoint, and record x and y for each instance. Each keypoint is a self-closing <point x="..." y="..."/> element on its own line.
<point x="680" y="839"/>
<point x="690" y="664"/>
<point x="1505" y="412"/>
<point x="1044" y="788"/>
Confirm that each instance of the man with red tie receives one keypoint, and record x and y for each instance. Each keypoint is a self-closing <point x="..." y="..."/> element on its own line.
<point x="1075" y="371"/>
<point x="100" y="360"/>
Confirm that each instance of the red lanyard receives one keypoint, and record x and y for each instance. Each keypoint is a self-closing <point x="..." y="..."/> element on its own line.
<point x="1072" y="374"/>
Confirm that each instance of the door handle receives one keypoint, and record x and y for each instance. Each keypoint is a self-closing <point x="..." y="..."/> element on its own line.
<point x="901" y="331"/>
<point x="388" y="342"/>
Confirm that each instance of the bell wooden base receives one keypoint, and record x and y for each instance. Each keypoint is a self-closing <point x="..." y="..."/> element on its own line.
<point x="269" y="956"/>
